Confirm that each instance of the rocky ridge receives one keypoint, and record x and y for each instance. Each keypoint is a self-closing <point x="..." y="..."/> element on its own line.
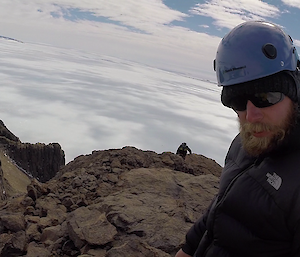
<point x="111" y="203"/>
<point x="37" y="160"/>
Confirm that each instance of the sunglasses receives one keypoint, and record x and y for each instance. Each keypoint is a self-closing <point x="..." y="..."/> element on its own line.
<point x="260" y="100"/>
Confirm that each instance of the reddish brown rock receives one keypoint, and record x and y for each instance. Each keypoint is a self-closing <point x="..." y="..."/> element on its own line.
<point x="119" y="202"/>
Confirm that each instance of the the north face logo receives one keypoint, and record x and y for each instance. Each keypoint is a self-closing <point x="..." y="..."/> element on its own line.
<point x="274" y="180"/>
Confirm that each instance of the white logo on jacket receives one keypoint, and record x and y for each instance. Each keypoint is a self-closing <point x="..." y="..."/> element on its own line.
<point x="274" y="180"/>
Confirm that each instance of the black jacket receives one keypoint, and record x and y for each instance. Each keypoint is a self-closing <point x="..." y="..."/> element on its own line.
<point x="183" y="149"/>
<point x="257" y="210"/>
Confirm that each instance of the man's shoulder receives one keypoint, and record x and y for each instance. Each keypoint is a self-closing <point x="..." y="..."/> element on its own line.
<point x="235" y="148"/>
<point x="237" y="155"/>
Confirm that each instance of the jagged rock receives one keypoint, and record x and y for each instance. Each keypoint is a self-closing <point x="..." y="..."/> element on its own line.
<point x="14" y="245"/>
<point x="32" y="232"/>
<point x="38" y="160"/>
<point x="130" y="158"/>
<point x="52" y="234"/>
<point x="150" y="204"/>
<point x="136" y="248"/>
<point x="4" y="238"/>
<point x="36" y="189"/>
<point x="119" y="202"/>
<point x="13" y="222"/>
<point x="3" y="195"/>
<point x="89" y="226"/>
<point x="94" y="252"/>
<point x="5" y="133"/>
<point x="35" y="249"/>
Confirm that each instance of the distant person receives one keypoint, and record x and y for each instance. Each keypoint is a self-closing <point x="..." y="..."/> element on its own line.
<point x="256" y="212"/>
<point x="182" y="150"/>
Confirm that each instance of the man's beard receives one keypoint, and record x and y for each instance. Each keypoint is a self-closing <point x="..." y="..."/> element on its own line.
<point x="256" y="146"/>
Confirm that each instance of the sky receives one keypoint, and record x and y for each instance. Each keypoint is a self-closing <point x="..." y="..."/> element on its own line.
<point x="171" y="34"/>
<point x="98" y="74"/>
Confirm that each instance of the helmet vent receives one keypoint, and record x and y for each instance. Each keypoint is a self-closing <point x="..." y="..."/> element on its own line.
<point x="269" y="51"/>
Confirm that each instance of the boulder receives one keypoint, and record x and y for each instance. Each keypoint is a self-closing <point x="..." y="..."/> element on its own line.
<point x="89" y="226"/>
<point x="13" y="222"/>
<point x="13" y="245"/>
<point x="35" y="249"/>
<point x="118" y="202"/>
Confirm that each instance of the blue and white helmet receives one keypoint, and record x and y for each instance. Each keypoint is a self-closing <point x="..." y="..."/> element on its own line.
<point x="253" y="50"/>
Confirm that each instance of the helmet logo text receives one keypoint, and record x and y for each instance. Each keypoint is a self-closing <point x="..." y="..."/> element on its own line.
<point x="235" y="68"/>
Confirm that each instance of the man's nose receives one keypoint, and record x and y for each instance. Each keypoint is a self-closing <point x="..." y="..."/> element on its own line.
<point x="254" y="114"/>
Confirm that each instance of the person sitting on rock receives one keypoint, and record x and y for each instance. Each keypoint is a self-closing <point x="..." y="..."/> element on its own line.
<point x="183" y="149"/>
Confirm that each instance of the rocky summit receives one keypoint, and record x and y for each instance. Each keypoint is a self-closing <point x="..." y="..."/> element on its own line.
<point x="110" y="203"/>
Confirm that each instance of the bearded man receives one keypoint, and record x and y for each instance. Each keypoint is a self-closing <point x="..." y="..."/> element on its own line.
<point x="257" y="210"/>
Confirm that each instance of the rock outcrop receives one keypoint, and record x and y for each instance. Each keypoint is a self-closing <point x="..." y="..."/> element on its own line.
<point x="39" y="160"/>
<point x="3" y="195"/>
<point x="112" y="203"/>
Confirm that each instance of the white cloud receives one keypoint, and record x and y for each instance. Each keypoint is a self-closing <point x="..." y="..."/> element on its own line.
<point x="141" y="14"/>
<point x="149" y="17"/>
<point x="229" y="13"/>
<point x="87" y="101"/>
<point x="293" y="3"/>
<point x="83" y="98"/>
<point x="297" y="43"/>
<point x="141" y="31"/>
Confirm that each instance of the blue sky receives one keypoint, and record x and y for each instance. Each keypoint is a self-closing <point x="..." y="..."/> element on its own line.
<point x="180" y="35"/>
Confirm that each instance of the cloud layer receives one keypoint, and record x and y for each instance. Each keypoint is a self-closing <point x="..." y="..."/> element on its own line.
<point x="87" y="102"/>
<point x="140" y="66"/>
<point x="142" y="31"/>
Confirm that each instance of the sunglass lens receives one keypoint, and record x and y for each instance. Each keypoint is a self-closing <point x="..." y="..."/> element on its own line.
<point x="260" y="100"/>
<point x="239" y="103"/>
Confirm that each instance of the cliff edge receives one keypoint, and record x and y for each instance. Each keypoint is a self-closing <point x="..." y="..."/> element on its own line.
<point x="38" y="160"/>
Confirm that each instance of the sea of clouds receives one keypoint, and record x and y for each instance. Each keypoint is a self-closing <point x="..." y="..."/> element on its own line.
<point x="86" y="101"/>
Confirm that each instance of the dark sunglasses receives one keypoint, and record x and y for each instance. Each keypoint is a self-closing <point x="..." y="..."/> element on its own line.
<point x="260" y="100"/>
